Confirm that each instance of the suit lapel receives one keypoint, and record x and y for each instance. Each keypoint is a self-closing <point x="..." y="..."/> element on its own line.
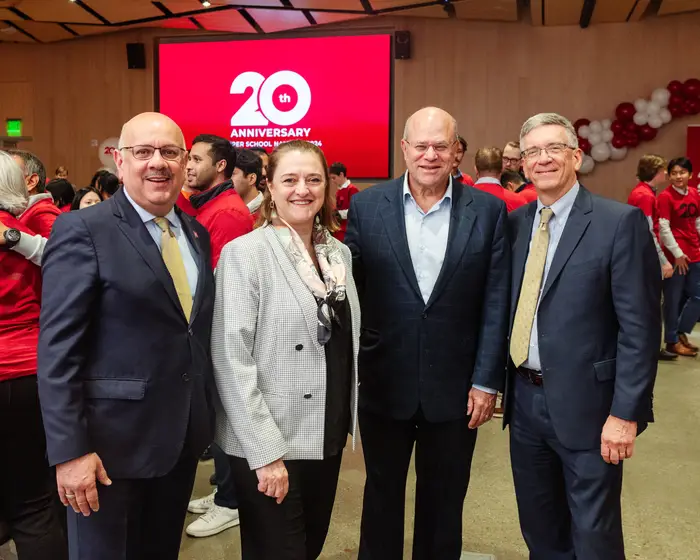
<point x="305" y="299"/>
<point x="136" y="232"/>
<point x="521" y="248"/>
<point x="202" y="265"/>
<point x="462" y="219"/>
<point x="393" y="216"/>
<point x="576" y="225"/>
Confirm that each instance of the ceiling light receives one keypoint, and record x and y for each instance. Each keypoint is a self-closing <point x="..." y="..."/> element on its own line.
<point x="205" y="3"/>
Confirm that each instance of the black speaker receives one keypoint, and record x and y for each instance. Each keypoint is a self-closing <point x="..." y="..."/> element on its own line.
<point x="402" y="45"/>
<point x="136" y="56"/>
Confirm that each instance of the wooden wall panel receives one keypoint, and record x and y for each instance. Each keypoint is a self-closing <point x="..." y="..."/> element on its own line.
<point x="490" y="76"/>
<point x="17" y="101"/>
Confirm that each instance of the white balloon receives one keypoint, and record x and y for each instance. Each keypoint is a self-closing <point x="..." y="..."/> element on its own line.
<point x="665" y="115"/>
<point x="606" y="123"/>
<point x="616" y="154"/>
<point x="608" y="135"/>
<point x="600" y="152"/>
<point x="653" y="108"/>
<point x="595" y="126"/>
<point x="655" y="121"/>
<point x="584" y="131"/>
<point x="640" y="118"/>
<point x="641" y="105"/>
<point x="595" y="138"/>
<point x="661" y="96"/>
<point x="587" y="165"/>
<point x="105" y="152"/>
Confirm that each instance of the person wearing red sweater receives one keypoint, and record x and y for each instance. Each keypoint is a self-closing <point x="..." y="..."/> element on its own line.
<point x="27" y="482"/>
<point x="344" y="191"/>
<point x="488" y="165"/>
<point x="183" y="201"/>
<point x="219" y="207"/>
<point x="457" y="174"/>
<point x="513" y="181"/>
<point x="679" y="229"/>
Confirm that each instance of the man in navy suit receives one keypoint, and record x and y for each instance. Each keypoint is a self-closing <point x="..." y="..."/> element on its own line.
<point x="432" y="266"/>
<point x="124" y="354"/>
<point x="584" y="344"/>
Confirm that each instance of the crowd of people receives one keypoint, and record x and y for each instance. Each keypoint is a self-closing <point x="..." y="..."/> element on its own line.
<point x="260" y="308"/>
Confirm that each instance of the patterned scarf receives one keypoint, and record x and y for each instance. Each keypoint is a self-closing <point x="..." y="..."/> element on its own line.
<point x="329" y="291"/>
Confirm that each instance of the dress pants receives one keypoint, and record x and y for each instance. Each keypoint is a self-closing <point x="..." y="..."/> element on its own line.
<point x="568" y="501"/>
<point x="296" y="529"/>
<point x="27" y="484"/>
<point x="681" y="302"/>
<point x="225" y="486"/>
<point x="444" y="453"/>
<point x="139" y="519"/>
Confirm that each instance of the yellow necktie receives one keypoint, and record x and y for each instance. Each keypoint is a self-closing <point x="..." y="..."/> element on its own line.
<point x="170" y="250"/>
<point x="530" y="291"/>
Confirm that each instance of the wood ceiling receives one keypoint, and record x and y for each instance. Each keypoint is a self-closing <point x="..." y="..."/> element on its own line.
<point x="44" y="21"/>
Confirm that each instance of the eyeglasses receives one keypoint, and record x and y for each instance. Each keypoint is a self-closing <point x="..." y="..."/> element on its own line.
<point x="511" y="160"/>
<point x="440" y="148"/>
<point x="555" y="149"/>
<point x="170" y="153"/>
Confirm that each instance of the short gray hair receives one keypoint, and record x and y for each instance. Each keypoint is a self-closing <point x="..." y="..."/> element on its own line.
<point x="32" y="165"/>
<point x="543" y="119"/>
<point x="13" y="189"/>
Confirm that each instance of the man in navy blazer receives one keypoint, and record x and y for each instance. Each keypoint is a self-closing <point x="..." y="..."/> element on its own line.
<point x="584" y="344"/>
<point x="124" y="357"/>
<point x="432" y="267"/>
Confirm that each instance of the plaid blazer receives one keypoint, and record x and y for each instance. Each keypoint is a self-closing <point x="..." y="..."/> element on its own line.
<point x="269" y="368"/>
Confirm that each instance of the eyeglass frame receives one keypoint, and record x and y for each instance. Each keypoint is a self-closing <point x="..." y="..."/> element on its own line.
<point x="429" y="145"/>
<point x="182" y="151"/>
<point x="533" y="155"/>
<point x="511" y="161"/>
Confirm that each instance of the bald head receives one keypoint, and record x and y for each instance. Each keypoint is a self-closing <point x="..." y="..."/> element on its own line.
<point x="430" y="117"/>
<point x="150" y="124"/>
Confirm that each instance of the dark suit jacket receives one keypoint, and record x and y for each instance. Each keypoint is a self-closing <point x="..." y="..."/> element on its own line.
<point x="413" y="354"/>
<point x="121" y="372"/>
<point x="598" y="322"/>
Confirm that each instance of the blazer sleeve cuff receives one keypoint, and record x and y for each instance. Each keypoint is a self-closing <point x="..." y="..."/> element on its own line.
<point x="259" y="458"/>
<point x="625" y="411"/>
<point x="68" y="450"/>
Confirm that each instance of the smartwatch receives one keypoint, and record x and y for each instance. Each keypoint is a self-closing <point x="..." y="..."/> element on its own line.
<point x="12" y="237"/>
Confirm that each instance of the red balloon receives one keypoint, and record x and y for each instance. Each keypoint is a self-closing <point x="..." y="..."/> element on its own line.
<point x="676" y="100"/>
<point x="691" y="88"/>
<point x="632" y="127"/>
<point x="675" y="87"/>
<point x="677" y="110"/>
<point x="647" y="133"/>
<point x="625" y="112"/>
<point x="632" y="139"/>
<point x="585" y="145"/>
<point x="692" y="106"/>
<point x="581" y="122"/>
<point x="619" y="142"/>
<point x="617" y="127"/>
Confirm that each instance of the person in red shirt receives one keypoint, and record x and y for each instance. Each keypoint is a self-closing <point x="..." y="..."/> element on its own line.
<point x="344" y="191"/>
<point x="41" y="211"/>
<point x="488" y="165"/>
<point x="26" y="486"/>
<point x="513" y="181"/>
<point x="679" y="229"/>
<point x="219" y="207"/>
<point x="246" y="179"/>
<point x="457" y="174"/>
<point x="183" y="201"/>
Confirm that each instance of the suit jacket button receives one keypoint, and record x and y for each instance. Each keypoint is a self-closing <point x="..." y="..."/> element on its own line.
<point x="307" y="396"/>
<point x="299" y="347"/>
<point x="190" y="331"/>
<point x="185" y="377"/>
<point x="425" y="315"/>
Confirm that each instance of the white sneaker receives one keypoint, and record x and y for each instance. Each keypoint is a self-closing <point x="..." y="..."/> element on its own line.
<point x="217" y="519"/>
<point x="201" y="505"/>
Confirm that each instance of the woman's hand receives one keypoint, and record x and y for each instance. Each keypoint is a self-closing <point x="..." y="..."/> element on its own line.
<point x="273" y="480"/>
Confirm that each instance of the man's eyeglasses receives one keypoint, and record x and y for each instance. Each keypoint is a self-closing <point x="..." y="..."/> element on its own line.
<point x="511" y="161"/>
<point x="555" y="149"/>
<point x="170" y="153"/>
<point x="439" y="148"/>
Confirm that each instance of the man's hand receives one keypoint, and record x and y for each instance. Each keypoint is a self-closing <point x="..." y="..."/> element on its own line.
<point x="617" y="440"/>
<point x="77" y="483"/>
<point x="3" y="229"/>
<point x="667" y="270"/>
<point x="682" y="264"/>
<point x="480" y="407"/>
<point x="273" y="480"/>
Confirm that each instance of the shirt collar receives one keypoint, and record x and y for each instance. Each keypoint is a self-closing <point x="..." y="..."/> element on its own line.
<point x="488" y="180"/>
<point x="146" y="216"/>
<point x="446" y="197"/>
<point x="680" y="192"/>
<point x="345" y="185"/>
<point x="563" y="206"/>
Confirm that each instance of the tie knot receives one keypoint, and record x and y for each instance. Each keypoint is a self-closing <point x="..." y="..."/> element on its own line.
<point x="545" y="215"/>
<point x="163" y="224"/>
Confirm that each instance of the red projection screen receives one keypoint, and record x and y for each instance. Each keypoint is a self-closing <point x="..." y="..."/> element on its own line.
<point x="333" y="91"/>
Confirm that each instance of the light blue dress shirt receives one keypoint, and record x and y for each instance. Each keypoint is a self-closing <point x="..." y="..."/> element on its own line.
<point x="561" y="210"/>
<point x="187" y="251"/>
<point x="427" y="234"/>
<point x="488" y="181"/>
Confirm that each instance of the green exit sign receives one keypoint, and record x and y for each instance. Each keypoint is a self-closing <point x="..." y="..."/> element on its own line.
<point x="14" y="127"/>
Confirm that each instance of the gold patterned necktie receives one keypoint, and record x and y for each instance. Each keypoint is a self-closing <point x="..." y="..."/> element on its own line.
<point x="530" y="291"/>
<point x="170" y="250"/>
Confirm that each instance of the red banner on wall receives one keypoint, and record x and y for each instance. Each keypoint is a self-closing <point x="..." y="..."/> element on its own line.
<point x="693" y="152"/>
